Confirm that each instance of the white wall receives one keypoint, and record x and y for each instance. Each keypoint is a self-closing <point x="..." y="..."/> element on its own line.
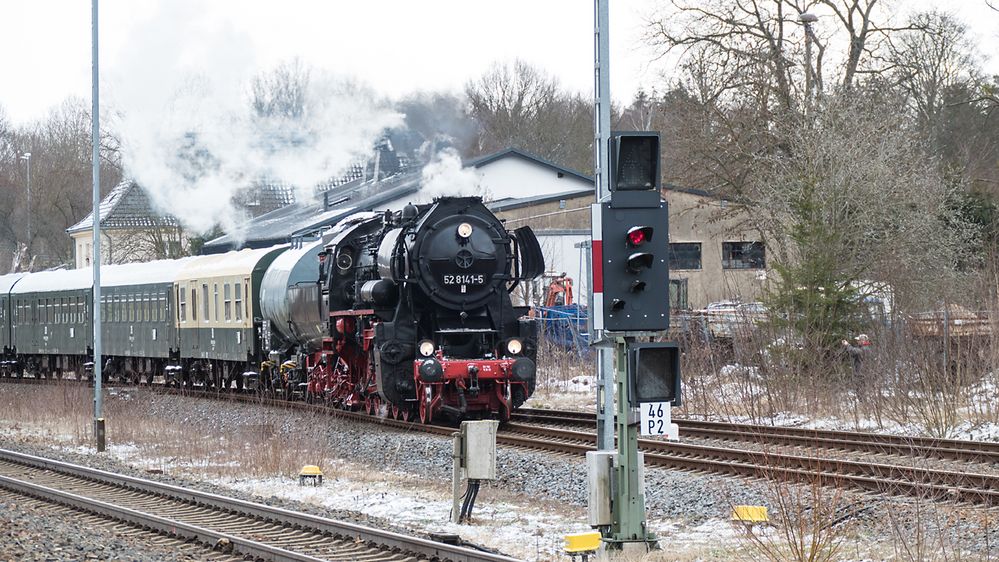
<point x="561" y="256"/>
<point x="516" y="177"/>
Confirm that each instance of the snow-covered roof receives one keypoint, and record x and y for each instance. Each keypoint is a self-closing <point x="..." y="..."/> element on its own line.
<point x="7" y="281"/>
<point x="154" y="272"/>
<point x="229" y="263"/>
<point x="126" y="206"/>
<point x="159" y="271"/>
<point x="60" y="280"/>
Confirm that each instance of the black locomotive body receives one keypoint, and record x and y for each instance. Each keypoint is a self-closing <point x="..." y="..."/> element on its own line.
<point x="420" y="315"/>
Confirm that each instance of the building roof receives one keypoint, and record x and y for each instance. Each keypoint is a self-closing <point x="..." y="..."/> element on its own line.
<point x="305" y="220"/>
<point x="516" y="203"/>
<point x="126" y="206"/>
<point x="516" y="152"/>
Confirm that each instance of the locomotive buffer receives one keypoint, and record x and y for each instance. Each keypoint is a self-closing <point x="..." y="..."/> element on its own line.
<point x="630" y="307"/>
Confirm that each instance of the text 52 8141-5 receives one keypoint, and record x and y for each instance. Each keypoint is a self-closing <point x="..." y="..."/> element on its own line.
<point x="479" y="279"/>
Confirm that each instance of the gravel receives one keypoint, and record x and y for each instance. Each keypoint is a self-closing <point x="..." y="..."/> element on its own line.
<point x="33" y="530"/>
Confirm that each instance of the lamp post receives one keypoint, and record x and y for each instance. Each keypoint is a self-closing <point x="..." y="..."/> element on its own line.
<point x="807" y="19"/>
<point x="27" y="158"/>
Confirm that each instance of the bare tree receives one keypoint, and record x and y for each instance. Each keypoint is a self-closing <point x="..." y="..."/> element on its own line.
<point x="844" y="205"/>
<point x="281" y="92"/>
<point x="520" y="106"/>
<point x="60" y="181"/>
<point x="932" y="63"/>
<point x="163" y="238"/>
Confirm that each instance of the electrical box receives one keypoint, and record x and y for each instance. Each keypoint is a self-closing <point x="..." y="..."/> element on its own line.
<point x="599" y="475"/>
<point x="479" y="449"/>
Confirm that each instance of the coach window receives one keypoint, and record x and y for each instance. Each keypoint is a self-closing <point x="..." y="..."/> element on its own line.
<point x="227" y="301"/>
<point x="205" y="308"/>
<point x="215" y="299"/>
<point x="182" y="299"/>
<point x="246" y="301"/>
<point x="239" y="302"/>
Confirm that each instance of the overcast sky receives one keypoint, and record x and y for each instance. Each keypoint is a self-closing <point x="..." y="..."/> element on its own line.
<point x="395" y="46"/>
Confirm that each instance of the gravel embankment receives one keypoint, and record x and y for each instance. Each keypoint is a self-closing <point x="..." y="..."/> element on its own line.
<point x="31" y="530"/>
<point x="677" y="500"/>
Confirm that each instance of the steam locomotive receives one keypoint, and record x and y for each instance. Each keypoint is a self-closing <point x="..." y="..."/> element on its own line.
<point x="406" y="313"/>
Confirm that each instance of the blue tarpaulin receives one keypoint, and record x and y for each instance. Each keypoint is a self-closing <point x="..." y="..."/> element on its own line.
<point x="565" y="327"/>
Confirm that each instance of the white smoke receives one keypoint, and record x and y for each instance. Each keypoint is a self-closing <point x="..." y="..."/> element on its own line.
<point x="189" y="137"/>
<point x="445" y="176"/>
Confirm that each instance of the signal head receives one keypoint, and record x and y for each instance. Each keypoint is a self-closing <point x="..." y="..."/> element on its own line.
<point x="639" y="261"/>
<point x="638" y="235"/>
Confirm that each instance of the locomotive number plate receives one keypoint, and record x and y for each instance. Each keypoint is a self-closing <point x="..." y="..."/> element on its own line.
<point x="464" y="279"/>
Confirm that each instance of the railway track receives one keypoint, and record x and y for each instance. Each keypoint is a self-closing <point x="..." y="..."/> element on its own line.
<point x="883" y="478"/>
<point x="238" y="527"/>
<point x="891" y="478"/>
<point x="856" y="441"/>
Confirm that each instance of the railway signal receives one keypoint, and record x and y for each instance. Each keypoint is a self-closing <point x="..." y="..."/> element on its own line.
<point x="631" y="302"/>
<point x="634" y="239"/>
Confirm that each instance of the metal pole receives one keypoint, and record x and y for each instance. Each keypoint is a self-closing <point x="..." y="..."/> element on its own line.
<point x="601" y="169"/>
<point x="29" y="200"/>
<point x="629" y="500"/>
<point x="96" y="306"/>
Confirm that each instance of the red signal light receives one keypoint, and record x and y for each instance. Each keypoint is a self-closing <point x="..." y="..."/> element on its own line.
<point x="638" y="235"/>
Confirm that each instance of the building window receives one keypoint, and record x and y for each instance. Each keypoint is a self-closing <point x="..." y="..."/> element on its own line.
<point x="743" y="255"/>
<point x="685" y="255"/>
<point x="678" y="294"/>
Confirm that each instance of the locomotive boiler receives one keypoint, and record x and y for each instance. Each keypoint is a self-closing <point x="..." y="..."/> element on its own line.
<point x="418" y="315"/>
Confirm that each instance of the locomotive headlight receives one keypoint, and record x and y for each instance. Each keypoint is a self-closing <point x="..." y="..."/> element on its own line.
<point x="514" y="346"/>
<point x="426" y="348"/>
<point x="464" y="230"/>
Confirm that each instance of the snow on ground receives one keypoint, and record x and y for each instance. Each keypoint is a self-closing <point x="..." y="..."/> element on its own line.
<point x="519" y="532"/>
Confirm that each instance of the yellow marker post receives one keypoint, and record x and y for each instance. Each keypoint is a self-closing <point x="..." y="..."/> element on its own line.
<point x="582" y="544"/>
<point x="311" y="474"/>
<point x="750" y="515"/>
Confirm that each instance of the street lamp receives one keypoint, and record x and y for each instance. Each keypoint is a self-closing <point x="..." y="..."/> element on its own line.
<point x="27" y="158"/>
<point x="807" y="19"/>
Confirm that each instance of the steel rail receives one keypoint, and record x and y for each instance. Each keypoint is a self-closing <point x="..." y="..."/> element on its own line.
<point x="143" y="520"/>
<point x="972" y="488"/>
<point x="387" y="540"/>
<point x="927" y="447"/>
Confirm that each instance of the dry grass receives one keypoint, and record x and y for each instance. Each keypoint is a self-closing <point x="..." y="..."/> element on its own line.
<point x="904" y="381"/>
<point x="258" y="445"/>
